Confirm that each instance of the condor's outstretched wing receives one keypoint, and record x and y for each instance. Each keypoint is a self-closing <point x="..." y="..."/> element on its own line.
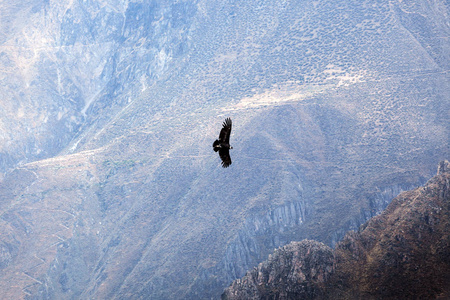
<point x="224" y="136"/>
<point x="225" y="157"/>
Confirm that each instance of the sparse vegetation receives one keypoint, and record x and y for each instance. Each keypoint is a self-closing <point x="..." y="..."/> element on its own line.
<point x="334" y="103"/>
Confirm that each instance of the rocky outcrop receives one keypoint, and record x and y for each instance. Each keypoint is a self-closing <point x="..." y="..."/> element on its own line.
<point x="401" y="254"/>
<point x="295" y="271"/>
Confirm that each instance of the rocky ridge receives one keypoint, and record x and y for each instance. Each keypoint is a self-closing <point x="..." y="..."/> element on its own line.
<point x="295" y="271"/>
<point x="401" y="254"/>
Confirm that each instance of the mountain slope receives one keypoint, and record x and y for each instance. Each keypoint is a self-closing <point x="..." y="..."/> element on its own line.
<point x="328" y="101"/>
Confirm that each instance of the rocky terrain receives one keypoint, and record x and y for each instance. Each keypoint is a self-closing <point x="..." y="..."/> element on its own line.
<point x="298" y="270"/>
<point x="109" y="188"/>
<point x="401" y="254"/>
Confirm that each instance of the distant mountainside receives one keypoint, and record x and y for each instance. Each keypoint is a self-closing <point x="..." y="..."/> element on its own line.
<point x="109" y="188"/>
<point x="404" y="253"/>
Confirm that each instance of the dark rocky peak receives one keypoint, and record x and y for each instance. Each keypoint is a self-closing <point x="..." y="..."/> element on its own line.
<point x="295" y="271"/>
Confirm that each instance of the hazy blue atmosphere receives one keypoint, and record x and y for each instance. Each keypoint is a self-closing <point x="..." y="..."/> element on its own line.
<point x="109" y="185"/>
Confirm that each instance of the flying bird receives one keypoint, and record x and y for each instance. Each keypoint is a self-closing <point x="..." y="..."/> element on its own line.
<point x="223" y="143"/>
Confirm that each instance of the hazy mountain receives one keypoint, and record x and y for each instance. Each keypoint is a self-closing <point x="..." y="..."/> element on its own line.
<point x="401" y="254"/>
<point x="111" y="189"/>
